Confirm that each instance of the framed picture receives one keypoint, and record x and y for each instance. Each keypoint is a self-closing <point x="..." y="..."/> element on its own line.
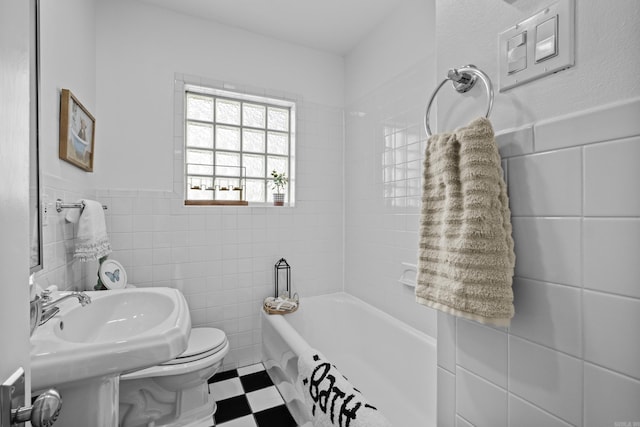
<point x="77" y="132"/>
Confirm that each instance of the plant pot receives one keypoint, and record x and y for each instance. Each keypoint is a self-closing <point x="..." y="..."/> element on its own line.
<point x="278" y="199"/>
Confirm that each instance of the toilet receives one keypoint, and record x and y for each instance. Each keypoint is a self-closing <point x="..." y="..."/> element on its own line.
<point x="175" y="393"/>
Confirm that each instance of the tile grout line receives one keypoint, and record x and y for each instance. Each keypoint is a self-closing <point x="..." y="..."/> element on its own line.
<point x="583" y="175"/>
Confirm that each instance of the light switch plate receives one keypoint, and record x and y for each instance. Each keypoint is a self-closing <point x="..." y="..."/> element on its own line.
<point x="564" y="11"/>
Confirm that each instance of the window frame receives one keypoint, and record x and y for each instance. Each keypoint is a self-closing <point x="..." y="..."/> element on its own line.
<point x="241" y="98"/>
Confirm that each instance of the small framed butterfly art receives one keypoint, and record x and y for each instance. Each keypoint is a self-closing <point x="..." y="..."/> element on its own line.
<point x="112" y="274"/>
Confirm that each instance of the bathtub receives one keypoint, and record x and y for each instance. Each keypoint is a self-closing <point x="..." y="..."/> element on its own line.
<point x="391" y="363"/>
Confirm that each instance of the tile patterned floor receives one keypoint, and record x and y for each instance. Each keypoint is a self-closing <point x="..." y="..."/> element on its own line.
<point x="246" y="397"/>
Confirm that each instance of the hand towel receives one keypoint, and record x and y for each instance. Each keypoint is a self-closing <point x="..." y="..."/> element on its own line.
<point x="92" y="241"/>
<point x="333" y="401"/>
<point x="466" y="256"/>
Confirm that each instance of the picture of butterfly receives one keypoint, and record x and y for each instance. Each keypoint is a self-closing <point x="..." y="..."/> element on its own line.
<point x="115" y="276"/>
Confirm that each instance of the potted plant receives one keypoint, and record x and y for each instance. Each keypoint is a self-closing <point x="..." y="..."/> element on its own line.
<point x="279" y="182"/>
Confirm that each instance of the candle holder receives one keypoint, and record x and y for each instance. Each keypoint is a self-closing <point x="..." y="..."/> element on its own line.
<point x="282" y="268"/>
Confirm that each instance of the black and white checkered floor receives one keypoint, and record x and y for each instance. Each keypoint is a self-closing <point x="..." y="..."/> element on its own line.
<point x="246" y="397"/>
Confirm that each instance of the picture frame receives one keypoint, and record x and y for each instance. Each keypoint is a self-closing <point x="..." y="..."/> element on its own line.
<point x="77" y="132"/>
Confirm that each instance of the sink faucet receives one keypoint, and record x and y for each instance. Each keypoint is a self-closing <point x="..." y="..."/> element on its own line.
<point x="50" y="308"/>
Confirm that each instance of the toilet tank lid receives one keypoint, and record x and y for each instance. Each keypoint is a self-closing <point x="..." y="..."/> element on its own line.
<point x="202" y="340"/>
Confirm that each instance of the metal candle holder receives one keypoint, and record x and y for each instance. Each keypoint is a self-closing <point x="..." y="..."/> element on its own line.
<point x="282" y="265"/>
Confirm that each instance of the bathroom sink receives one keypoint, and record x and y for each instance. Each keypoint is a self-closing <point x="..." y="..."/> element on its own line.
<point x="120" y="331"/>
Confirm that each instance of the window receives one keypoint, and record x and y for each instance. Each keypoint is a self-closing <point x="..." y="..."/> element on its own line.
<point x="232" y="144"/>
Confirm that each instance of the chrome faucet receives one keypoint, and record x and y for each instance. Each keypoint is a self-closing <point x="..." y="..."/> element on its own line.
<point x="50" y="308"/>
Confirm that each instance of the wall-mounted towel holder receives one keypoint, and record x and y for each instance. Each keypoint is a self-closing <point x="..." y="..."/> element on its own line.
<point x="463" y="80"/>
<point x="405" y="277"/>
<point x="61" y="205"/>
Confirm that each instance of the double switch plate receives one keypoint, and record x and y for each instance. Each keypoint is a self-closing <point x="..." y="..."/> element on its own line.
<point x="540" y="45"/>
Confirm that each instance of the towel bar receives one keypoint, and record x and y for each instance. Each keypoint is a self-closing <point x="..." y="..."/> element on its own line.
<point x="61" y="205"/>
<point x="463" y="80"/>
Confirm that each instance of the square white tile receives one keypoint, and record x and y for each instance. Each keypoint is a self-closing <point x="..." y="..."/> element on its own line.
<point x="609" y="398"/>
<point x="483" y="351"/>
<point x="225" y="389"/>
<point x="611" y="178"/>
<point x="611" y="248"/>
<point x="479" y="401"/>
<point x="548" y="184"/>
<point x="611" y="332"/>
<point x="548" y="314"/>
<point x="446" y="398"/>
<point x="265" y="398"/>
<point x="547" y="378"/>
<point x="525" y="414"/>
<point x="548" y="249"/>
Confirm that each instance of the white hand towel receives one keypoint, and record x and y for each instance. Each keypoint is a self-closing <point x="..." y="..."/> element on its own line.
<point x="466" y="250"/>
<point x="92" y="241"/>
<point x="334" y="402"/>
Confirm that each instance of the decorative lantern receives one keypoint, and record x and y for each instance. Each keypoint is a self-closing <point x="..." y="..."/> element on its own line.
<point x="282" y="272"/>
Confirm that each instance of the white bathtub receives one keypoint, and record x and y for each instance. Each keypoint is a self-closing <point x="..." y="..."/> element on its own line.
<point x="391" y="363"/>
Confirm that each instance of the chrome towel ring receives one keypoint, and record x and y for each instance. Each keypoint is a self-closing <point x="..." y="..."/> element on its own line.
<point x="463" y="79"/>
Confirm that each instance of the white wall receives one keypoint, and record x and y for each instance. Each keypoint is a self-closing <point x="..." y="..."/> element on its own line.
<point x="141" y="47"/>
<point x="606" y="54"/>
<point x="67" y="61"/>
<point x="404" y="38"/>
<point x="221" y="258"/>
<point x="387" y="75"/>
<point x="14" y="186"/>
<point x="571" y="354"/>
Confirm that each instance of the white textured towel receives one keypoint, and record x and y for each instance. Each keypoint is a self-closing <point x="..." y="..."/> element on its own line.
<point x="92" y="241"/>
<point x="466" y="250"/>
<point x="334" y="402"/>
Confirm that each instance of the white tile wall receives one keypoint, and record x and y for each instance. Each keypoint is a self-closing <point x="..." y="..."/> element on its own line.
<point x="483" y="351"/>
<point x="446" y="341"/>
<point x="385" y="142"/>
<point x="59" y="266"/>
<point x="547" y="378"/>
<point x="572" y="346"/>
<point x="609" y="398"/>
<point x="611" y="178"/>
<point x="548" y="249"/>
<point x="548" y="314"/>
<point x="446" y="407"/>
<point x="611" y="332"/>
<point x="524" y="414"/>
<point x="611" y="248"/>
<point x="548" y="184"/>
<point x="479" y="401"/>
<point x="513" y="142"/>
<point x="605" y="123"/>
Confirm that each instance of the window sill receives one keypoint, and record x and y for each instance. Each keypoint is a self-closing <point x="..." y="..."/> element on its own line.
<point x="216" y="203"/>
<point x="234" y="203"/>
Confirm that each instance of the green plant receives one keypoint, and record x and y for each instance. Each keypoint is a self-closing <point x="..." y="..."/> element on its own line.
<point x="279" y="181"/>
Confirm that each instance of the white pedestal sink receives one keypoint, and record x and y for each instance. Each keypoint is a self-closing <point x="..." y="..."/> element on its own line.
<point x="82" y="351"/>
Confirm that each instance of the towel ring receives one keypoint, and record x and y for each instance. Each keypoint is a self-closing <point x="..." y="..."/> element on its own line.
<point x="463" y="79"/>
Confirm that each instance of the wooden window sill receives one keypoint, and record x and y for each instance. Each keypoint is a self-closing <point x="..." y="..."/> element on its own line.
<point x="216" y="203"/>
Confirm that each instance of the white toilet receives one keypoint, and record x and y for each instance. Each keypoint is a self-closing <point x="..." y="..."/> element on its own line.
<point x="175" y="393"/>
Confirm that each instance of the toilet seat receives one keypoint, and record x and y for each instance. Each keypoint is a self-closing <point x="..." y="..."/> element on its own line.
<point x="203" y="342"/>
<point x="210" y="346"/>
